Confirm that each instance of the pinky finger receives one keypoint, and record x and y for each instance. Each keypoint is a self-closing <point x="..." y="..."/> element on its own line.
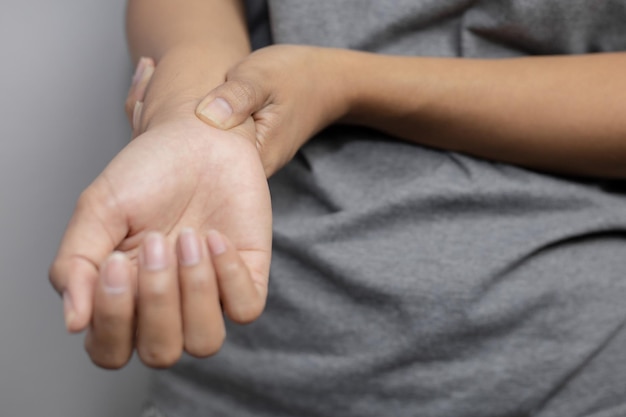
<point x="241" y="299"/>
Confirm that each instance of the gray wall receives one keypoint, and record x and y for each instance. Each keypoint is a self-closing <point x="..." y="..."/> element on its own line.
<point x="64" y="71"/>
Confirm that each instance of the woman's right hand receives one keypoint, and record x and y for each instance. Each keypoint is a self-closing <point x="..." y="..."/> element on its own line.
<point x="179" y="221"/>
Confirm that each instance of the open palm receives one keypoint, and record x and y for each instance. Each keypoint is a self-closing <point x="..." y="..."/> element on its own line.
<point x="184" y="174"/>
<point x="179" y="175"/>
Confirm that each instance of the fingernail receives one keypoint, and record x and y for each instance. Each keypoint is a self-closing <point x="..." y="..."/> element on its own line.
<point x="115" y="274"/>
<point x="217" y="111"/>
<point x="217" y="246"/>
<point x="188" y="248"/>
<point x="141" y="67"/>
<point x="147" y="74"/>
<point x="137" y="114"/>
<point x="154" y="252"/>
<point x="68" y="309"/>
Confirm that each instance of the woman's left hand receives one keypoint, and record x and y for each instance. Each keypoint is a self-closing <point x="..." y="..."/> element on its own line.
<point x="292" y="92"/>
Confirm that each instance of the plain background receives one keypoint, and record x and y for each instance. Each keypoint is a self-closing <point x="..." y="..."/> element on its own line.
<point x="64" y="72"/>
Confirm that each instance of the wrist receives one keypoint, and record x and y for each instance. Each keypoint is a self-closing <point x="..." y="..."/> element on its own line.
<point x="360" y="87"/>
<point x="340" y="66"/>
<point x="381" y="85"/>
<point x="183" y="76"/>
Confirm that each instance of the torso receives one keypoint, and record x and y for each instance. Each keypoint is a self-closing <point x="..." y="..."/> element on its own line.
<point x="408" y="281"/>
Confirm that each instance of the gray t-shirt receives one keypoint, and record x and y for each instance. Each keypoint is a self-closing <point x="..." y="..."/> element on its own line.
<point x="408" y="281"/>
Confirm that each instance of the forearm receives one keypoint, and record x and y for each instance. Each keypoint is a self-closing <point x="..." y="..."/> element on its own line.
<point x="194" y="43"/>
<point x="561" y="114"/>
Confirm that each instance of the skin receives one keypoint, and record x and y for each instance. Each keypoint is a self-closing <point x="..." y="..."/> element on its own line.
<point x="561" y="114"/>
<point x="176" y="176"/>
<point x="180" y="178"/>
<point x="120" y="266"/>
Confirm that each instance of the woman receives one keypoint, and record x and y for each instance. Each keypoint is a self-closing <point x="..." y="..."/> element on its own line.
<point x="453" y="246"/>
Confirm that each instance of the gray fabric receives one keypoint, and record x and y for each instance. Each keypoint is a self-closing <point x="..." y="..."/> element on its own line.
<point x="151" y="411"/>
<point x="408" y="281"/>
<point x="258" y="23"/>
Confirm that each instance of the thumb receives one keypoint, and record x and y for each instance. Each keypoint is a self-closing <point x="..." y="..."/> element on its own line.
<point x="231" y="103"/>
<point x="91" y="235"/>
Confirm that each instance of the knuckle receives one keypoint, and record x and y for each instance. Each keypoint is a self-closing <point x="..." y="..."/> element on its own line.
<point x="110" y="360"/>
<point x="158" y="356"/>
<point x="232" y="269"/>
<point x="106" y="358"/>
<point x="202" y="348"/>
<point x="245" y="313"/>
<point x="109" y="320"/>
<point x="85" y="200"/>
<point x="156" y="292"/>
<point x="244" y="93"/>
<point x="197" y="283"/>
<point x="54" y="275"/>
